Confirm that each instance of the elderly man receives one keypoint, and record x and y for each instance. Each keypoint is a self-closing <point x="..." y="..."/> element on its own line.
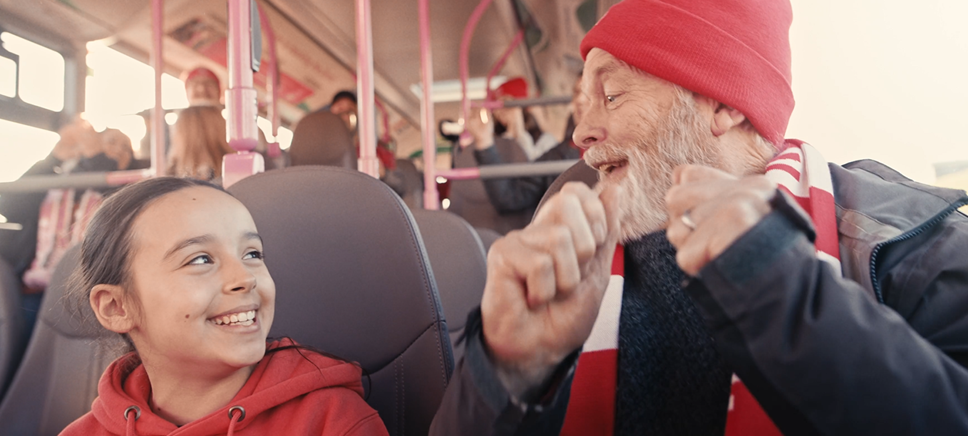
<point x="758" y="289"/>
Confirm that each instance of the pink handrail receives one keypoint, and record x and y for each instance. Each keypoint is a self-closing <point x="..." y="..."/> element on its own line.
<point x="465" y="47"/>
<point x="427" y="124"/>
<point x="504" y="58"/>
<point x="272" y="76"/>
<point x="368" y="162"/>
<point x="157" y="116"/>
<point x="240" y="98"/>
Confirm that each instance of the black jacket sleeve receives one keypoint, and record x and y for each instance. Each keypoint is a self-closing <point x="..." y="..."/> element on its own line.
<point x="821" y="355"/>
<point x="17" y="247"/>
<point x="476" y="403"/>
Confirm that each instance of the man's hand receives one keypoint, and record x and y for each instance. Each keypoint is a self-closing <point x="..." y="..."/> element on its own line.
<point x="721" y="206"/>
<point x="545" y="285"/>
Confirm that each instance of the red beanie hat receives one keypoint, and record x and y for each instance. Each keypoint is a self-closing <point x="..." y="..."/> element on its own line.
<point x="734" y="51"/>
<point x="201" y="72"/>
<point x="516" y="88"/>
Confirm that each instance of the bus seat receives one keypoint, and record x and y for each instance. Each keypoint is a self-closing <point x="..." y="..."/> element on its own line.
<point x="579" y="172"/>
<point x="459" y="264"/>
<point x="353" y="279"/>
<point x="57" y="379"/>
<point x="488" y="237"/>
<point x="321" y="138"/>
<point x="11" y="325"/>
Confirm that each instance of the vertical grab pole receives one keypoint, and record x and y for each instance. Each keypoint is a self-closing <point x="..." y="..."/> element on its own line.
<point x="157" y="116"/>
<point x="272" y="76"/>
<point x="240" y="98"/>
<point x="427" y="125"/>
<point x="368" y="162"/>
<point x="465" y="48"/>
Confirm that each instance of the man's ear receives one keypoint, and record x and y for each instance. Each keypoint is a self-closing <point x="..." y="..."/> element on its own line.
<point x="723" y="118"/>
<point x="113" y="311"/>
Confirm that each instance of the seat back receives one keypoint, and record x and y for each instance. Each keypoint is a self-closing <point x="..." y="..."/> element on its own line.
<point x="57" y="380"/>
<point x="460" y="267"/>
<point x="488" y="237"/>
<point x="321" y="138"/>
<point x="469" y="200"/>
<point x="352" y="278"/>
<point x="579" y="172"/>
<point x="11" y="325"/>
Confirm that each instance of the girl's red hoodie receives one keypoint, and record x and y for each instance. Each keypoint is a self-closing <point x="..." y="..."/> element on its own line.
<point x="290" y="391"/>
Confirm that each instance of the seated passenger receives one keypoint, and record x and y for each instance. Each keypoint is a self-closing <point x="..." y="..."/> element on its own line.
<point x="46" y="235"/>
<point x="515" y="194"/>
<point x="198" y="144"/>
<point x="175" y="267"/>
<point x="752" y="272"/>
<point x="519" y="123"/>
<point x="202" y="87"/>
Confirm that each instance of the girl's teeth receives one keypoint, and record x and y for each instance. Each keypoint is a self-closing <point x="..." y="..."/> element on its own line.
<point x="243" y="318"/>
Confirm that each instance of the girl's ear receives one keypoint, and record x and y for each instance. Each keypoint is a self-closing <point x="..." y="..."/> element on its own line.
<point x="113" y="311"/>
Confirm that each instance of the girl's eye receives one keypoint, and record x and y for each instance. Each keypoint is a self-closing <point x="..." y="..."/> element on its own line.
<point x="201" y="260"/>
<point x="254" y="254"/>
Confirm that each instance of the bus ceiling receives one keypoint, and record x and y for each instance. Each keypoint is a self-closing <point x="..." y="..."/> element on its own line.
<point x="317" y="49"/>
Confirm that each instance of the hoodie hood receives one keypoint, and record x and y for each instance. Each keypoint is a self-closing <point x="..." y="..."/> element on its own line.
<point x="279" y="377"/>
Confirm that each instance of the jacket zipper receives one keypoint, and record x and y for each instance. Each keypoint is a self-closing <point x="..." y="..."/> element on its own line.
<point x="937" y="219"/>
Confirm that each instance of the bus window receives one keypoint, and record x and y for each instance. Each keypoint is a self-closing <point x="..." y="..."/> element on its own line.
<point x="22" y="146"/>
<point x="41" y="76"/>
<point x="8" y="77"/>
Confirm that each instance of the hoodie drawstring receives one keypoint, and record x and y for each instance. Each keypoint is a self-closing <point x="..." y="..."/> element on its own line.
<point x="232" y="420"/>
<point x="129" y="428"/>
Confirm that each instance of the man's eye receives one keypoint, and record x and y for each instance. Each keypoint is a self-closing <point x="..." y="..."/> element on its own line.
<point x="610" y="98"/>
<point x="254" y="254"/>
<point x="201" y="260"/>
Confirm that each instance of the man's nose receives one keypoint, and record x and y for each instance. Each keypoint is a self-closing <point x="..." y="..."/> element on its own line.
<point x="590" y="129"/>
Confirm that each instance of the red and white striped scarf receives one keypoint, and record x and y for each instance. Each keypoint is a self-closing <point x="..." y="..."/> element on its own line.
<point x="798" y="170"/>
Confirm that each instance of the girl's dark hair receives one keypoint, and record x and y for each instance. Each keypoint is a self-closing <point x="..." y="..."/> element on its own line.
<point x="106" y="249"/>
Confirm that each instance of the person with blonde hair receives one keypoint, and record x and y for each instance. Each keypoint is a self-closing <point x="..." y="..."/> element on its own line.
<point x="198" y="144"/>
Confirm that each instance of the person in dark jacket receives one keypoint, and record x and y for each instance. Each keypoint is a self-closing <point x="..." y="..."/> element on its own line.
<point x="758" y="290"/>
<point x="517" y="194"/>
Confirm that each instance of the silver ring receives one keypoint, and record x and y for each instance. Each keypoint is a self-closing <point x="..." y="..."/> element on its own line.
<point x="687" y="220"/>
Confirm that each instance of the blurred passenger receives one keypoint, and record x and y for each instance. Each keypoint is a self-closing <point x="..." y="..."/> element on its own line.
<point x="518" y="123"/>
<point x="202" y="87"/>
<point x="344" y="106"/>
<point x="198" y="144"/>
<point x="55" y="220"/>
<point x="510" y="195"/>
<point x="195" y="317"/>
<point x="509" y="141"/>
<point x="321" y="138"/>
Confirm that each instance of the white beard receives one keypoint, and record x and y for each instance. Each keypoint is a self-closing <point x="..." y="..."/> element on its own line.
<point x="682" y="138"/>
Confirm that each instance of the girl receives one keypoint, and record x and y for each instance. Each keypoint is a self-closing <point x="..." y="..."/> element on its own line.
<point x="175" y="267"/>
<point x="198" y="143"/>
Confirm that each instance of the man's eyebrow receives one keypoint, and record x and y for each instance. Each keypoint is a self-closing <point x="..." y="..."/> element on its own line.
<point x="188" y="242"/>
<point x="608" y="69"/>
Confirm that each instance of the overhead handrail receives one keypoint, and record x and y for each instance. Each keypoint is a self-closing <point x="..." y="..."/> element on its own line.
<point x="240" y="98"/>
<point x="368" y="162"/>
<point x="79" y="181"/>
<point x="508" y="170"/>
<point x="427" y="124"/>
<point x="540" y="101"/>
<point x="272" y="82"/>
